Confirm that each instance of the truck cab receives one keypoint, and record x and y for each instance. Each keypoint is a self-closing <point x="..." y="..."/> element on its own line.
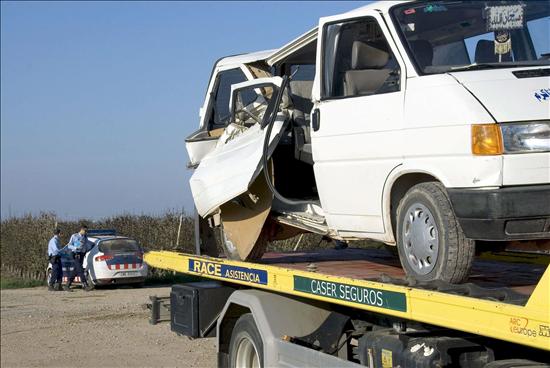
<point x="423" y="125"/>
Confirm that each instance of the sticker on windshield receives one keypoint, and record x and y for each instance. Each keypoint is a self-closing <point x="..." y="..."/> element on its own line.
<point x="503" y="42"/>
<point x="434" y="8"/>
<point x="503" y="18"/>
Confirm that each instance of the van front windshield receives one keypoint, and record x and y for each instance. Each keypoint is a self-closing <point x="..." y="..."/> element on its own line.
<point x="443" y="36"/>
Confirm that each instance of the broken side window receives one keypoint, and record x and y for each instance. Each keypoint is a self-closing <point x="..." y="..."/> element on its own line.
<point x="220" y="114"/>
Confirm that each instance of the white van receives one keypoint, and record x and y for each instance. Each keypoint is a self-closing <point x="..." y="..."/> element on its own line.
<point x="424" y="125"/>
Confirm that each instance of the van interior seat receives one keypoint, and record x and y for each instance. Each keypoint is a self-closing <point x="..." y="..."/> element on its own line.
<point x="300" y="94"/>
<point x="368" y="72"/>
<point x="423" y="51"/>
<point x="485" y="53"/>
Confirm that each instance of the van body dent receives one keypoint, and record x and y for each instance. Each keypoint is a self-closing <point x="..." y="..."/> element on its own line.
<point x="421" y="125"/>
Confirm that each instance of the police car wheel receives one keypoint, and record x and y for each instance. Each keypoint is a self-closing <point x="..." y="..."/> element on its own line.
<point x="89" y="280"/>
<point x="48" y="276"/>
<point x="246" y="346"/>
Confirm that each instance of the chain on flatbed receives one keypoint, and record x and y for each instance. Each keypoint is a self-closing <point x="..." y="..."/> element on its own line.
<point x="499" y="314"/>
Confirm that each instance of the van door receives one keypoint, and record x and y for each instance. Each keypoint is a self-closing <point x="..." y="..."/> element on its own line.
<point x="232" y="165"/>
<point x="356" y="122"/>
<point x="214" y="114"/>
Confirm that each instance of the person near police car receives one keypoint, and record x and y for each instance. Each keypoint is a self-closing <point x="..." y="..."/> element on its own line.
<point x="54" y="256"/>
<point x="78" y="246"/>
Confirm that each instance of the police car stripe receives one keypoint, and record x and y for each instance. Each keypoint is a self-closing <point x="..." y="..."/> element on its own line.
<point x="124" y="266"/>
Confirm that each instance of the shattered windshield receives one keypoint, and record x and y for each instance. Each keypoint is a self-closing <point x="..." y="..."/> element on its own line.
<point x="251" y="104"/>
<point x="443" y="36"/>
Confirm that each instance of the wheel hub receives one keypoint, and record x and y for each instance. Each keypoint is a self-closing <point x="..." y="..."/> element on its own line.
<point x="420" y="238"/>
<point x="247" y="356"/>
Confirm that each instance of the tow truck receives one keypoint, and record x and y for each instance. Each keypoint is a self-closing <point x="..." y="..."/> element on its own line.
<point x="422" y="125"/>
<point x="355" y="307"/>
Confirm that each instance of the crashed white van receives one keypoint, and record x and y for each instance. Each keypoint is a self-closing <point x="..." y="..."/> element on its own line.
<point x="424" y="125"/>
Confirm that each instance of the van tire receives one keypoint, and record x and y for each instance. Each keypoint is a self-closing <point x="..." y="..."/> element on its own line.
<point x="435" y="234"/>
<point x="231" y="251"/>
<point x="246" y="346"/>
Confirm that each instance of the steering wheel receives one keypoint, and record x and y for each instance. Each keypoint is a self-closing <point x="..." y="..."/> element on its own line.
<point x="254" y="117"/>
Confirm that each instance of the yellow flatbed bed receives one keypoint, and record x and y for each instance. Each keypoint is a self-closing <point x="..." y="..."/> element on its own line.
<point x="502" y="300"/>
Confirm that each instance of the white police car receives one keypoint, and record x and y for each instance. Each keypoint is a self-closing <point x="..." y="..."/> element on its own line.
<point x="112" y="259"/>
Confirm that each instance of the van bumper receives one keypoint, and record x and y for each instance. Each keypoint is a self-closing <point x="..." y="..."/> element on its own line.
<point x="507" y="213"/>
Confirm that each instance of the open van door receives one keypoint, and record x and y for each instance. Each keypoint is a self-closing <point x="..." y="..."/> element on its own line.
<point x="231" y="167"/>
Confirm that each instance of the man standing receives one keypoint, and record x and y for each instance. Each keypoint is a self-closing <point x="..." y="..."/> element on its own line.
<point x="54" y="282"/>
<point x="78" y="245"/>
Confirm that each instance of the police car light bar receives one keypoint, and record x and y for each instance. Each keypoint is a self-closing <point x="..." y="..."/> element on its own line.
<point x="98" y="232"/>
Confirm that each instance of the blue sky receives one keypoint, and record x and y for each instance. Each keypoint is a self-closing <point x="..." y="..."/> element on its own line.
<point x="98" y="97"/>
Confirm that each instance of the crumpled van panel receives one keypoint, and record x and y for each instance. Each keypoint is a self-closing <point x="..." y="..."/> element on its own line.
<point x="230" y="168"/>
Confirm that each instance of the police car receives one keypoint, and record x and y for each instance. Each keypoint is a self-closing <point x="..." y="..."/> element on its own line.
<point x="112" y="259"/>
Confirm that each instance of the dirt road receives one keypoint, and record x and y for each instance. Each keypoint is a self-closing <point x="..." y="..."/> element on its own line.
<point x="101" y="328"/>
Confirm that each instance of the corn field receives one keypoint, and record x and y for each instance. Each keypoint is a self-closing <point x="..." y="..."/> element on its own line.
<point x="24" y="240"/>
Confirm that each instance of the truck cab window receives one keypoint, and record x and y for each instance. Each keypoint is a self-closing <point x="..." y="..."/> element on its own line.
<point x="357" y="60"/>
<point x="219" y="113"/>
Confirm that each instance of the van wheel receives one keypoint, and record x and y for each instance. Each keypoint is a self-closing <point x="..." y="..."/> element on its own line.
<point x="431" y="244"/>
<point x="246" y="346"/>
<point x="230" y="249"/>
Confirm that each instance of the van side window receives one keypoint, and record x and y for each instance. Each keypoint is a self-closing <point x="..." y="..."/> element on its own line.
<point x="357" y="60"/>
<point x="220" y="114"/>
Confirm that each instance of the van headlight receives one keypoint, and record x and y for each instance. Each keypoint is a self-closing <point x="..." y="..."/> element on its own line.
<point x="526" y="137"/>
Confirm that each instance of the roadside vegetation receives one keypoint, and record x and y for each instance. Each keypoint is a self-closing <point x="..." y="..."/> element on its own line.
<point x="7" y="282"/>
<point x="23" y="242"/>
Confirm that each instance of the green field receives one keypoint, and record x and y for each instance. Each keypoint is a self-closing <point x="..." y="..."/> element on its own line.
<point x="7" y="282"/>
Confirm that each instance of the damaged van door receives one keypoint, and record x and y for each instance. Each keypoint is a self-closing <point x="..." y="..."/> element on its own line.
<point x="226" y="185"/>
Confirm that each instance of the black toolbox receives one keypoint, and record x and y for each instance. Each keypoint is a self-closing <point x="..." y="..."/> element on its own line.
<point x="195" y="307"/>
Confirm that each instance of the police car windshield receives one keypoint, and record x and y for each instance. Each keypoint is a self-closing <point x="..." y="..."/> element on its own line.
<point x="119" y="246"/>
<point x="443" y="36"/>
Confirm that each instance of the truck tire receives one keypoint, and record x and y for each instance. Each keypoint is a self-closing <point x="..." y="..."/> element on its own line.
<point x="231" y="251"/>
<point x="430" y="241"/>
<point x="246" y="349"/>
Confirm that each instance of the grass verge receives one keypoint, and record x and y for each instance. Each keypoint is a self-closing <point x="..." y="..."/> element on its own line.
<point x="7" y="282"/>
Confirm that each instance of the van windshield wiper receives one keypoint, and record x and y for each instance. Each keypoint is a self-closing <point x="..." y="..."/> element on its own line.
<point x="489" y="66"/>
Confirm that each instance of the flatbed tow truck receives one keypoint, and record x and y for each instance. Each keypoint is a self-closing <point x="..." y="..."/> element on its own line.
<point x="355" y="307"/>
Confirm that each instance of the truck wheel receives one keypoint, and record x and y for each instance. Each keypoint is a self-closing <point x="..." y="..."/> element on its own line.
<point x="430" y="241"/>
<point x="230" y="249"/>
<point x="246" y="347"/>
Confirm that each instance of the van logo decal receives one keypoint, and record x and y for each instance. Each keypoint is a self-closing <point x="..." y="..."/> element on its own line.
<point x="543" y="94"/>
<point x="228" y="272"/>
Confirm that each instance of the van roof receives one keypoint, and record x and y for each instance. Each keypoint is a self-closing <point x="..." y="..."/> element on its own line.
<point x="275" y="55"/>
<point x="383" y="6"/>
<point x="244" y="58"/>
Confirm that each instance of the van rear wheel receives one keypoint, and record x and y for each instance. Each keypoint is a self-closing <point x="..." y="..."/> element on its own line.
<point x="431" y="244"/>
